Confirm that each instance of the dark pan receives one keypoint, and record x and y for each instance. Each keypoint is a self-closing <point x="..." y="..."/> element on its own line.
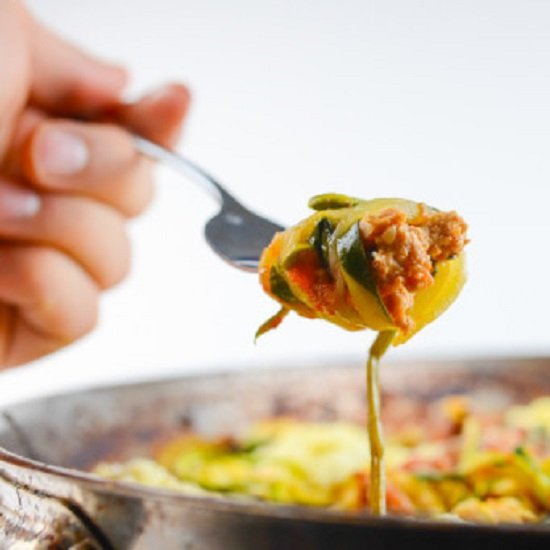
<point x="46" y="444"/>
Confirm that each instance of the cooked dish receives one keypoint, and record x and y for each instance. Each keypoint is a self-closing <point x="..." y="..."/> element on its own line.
<point x="384" y="264"/>
<point x="390" y="265"/>
<point x="452" y="462"/>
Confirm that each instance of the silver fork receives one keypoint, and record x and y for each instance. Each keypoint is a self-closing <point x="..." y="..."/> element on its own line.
<point x="235" y="233"/>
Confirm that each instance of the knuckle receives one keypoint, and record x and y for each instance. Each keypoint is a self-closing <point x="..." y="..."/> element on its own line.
<point x="140" y="194"/>
<point x="91" y="232"/>
<point x="88" y="315"/>
<point x="54" y="295"/>
<point x="34" y="267"/>
<point x="117" y="265"/>
<point x="57" y="286"/>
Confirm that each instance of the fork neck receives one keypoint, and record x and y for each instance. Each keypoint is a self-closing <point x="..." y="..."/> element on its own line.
<point x="194" y="172"/>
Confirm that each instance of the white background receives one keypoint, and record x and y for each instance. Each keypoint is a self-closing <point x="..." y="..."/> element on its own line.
<point x="444" y="102"/>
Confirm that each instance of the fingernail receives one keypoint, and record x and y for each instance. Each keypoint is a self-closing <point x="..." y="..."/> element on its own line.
<point x="61" y="153"/>
<point x="16" y="203"/>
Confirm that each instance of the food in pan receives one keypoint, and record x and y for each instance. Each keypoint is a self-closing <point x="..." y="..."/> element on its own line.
<point x="449" y="461"/>
<point x="391" y="265"/>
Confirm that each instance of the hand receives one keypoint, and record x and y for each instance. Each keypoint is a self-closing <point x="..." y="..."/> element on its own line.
<point x="66" y="187"/>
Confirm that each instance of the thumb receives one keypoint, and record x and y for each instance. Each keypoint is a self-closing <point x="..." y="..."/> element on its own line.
<point x="67" y="81"/>
<point x="157" y="116"/>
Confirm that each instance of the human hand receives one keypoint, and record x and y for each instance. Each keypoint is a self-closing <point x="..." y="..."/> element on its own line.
<point x="66" y="187"/>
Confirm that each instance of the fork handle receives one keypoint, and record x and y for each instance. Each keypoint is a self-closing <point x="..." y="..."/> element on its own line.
<point x="190" y="169"/>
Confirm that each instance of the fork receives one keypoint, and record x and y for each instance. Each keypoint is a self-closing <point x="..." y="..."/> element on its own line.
<point x="235" y="233"/>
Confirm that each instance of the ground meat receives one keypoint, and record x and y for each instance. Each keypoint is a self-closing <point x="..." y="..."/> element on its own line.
<point x="404" y="253"/>
<point x="447" y="233"/>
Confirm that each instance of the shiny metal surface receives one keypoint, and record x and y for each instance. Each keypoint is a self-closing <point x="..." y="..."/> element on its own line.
<point x="49" y="498"/>
<point x="236" y="233"/>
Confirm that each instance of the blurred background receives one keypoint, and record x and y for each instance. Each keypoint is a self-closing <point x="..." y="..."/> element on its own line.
<point x="442" y="102"/>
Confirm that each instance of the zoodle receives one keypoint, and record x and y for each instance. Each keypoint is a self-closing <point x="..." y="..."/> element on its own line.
<point x="389" y="265"/>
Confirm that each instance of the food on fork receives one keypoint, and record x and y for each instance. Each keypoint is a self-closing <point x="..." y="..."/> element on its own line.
<point x="383" y="264"/>
<point x="391" y="265"/>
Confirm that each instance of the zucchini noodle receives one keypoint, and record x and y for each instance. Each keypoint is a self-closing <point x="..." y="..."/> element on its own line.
<point x="377" y="492"/>
<point x="390" y="265"/>
<point x="449" y="459"/>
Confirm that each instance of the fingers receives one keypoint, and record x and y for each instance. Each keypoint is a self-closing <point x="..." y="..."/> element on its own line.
<point x="92" y="234"/>
<point x="99" y="160"/>
<point x="48" y="301"/>
<point x="66" y="80"/>
<point x="95" y="160"/>
<point x="49" y="293"/>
